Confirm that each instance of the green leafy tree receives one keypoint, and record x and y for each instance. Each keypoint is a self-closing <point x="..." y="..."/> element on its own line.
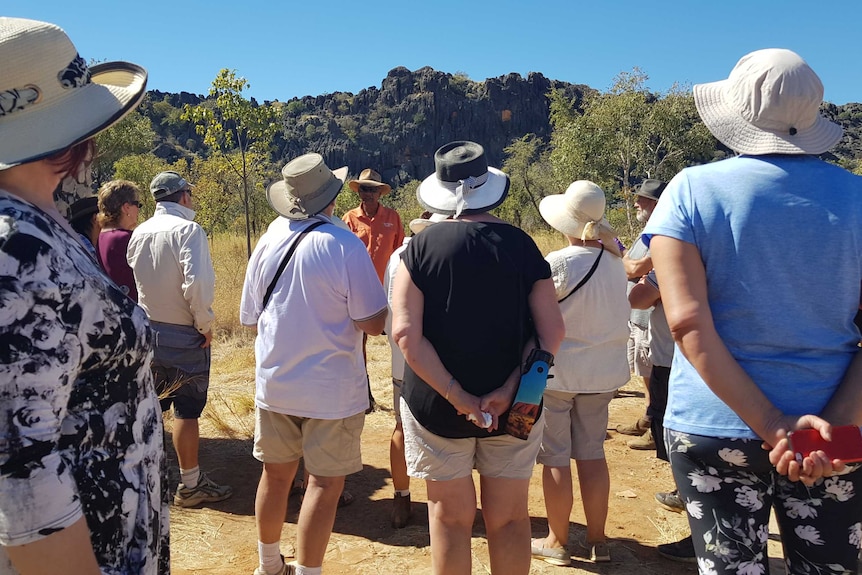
<point x="132" y="135"/>
<point x="531" y="179"/>
<point x="230" y="122"/>
<point x="626" y="135"/>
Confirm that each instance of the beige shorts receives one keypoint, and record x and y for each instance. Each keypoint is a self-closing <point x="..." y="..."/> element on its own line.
<point x="575" y="427"/>
<point x="330" y="447"/>
<point x="436" y="458"/>
<point x="638" y="351"/>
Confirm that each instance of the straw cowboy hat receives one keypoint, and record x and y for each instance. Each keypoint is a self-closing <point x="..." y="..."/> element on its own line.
<point x="369" y="177"/>
<point x="580" y="213"/>
<point x="49" y="98"/>
<point x="306" y="188"/>
<point x="462" y="183"/>
<point x="770" y="104"/>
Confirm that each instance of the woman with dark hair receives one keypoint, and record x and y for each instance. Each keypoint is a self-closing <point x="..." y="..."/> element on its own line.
<point x="81" y="451"/>
<point x="119" y="206"/>
<point x="764" y="328"/>
<point x="83" y="215"/>
<point x="472" y="297"/>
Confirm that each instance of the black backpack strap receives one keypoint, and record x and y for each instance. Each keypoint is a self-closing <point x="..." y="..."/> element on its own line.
<point x="286" y="259"/>
<point x="586" y="277"/>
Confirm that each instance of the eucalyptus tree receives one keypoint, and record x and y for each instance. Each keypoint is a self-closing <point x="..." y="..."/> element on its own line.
<point x="238" y="128"/>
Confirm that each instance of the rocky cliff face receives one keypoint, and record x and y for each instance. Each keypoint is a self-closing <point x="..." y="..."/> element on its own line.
<point x="396" y="129"/>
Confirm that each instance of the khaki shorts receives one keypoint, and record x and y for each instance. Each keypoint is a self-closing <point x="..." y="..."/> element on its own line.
<point x="436" y="458"/>
<point x="638" y="351"/>
<point x="575" y="427"/>
<point x="330" y="447"/>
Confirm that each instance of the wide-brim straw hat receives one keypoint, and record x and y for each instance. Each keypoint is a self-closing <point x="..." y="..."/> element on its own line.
<point x="463" y="183"/>
<point x="580" y="213"/>
<point x="770" y="104"/>
<point x="306" y="188"/>
<point x="49" y="98"/>
<point x="369" y="177"/>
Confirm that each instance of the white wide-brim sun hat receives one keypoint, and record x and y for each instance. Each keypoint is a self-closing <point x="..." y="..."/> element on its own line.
<point x="50" y="99"/>
<point x="769" y="104"/>
<point x="462" y="183"/>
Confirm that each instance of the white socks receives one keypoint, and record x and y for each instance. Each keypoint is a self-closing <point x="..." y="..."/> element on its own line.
<point x="300" y="570"/>
<point x="190" y="477"/>
<point x="270" y="557"/>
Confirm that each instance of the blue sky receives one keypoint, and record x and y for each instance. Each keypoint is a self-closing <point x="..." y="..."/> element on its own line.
<point x="286" y="48"/>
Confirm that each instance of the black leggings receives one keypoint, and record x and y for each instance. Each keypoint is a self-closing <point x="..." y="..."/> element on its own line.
<point x="729" y="486"/>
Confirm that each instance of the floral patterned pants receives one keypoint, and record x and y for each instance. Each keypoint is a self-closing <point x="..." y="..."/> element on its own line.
<point x="729" y="486"/>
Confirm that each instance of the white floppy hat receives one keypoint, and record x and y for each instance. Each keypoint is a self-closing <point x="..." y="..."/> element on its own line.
<point x="306" y="188"/>
<point x="462" y="183"/>
<point x="49" y="98"/>
<point x="770" y="104"/>
<point x="580" y="213"/>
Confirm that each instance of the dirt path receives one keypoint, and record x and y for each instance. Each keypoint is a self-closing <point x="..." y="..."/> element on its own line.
<point x="221" y="540"/>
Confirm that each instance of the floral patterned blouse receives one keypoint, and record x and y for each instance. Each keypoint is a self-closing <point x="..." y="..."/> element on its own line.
<point x="80" y="423"/>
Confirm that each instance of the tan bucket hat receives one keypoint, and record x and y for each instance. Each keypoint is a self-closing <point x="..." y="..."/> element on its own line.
<point x="306" y="188"/>
<point x="580" y="213"/>
<point x="49" y="98"/>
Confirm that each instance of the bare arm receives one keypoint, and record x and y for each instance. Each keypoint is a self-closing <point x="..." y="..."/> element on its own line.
<point x="643" y="295"/>
<point x="70" y="548"/>
<point x="375" y="324"/>
<point x="637" y="268"/>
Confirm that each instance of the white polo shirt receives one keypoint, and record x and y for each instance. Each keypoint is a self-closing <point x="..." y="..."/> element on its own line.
<point x="308" y="349"/>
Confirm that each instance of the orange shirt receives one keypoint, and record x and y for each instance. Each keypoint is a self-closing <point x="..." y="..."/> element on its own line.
<point x="381" y="234"/>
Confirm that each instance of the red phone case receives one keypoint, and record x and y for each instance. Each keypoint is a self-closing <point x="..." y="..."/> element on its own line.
<point x="846" y="443"/>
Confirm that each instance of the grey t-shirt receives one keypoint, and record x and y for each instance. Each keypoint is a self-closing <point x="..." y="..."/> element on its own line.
<point x="639" y="317"/>
<point x="660" y="338"/>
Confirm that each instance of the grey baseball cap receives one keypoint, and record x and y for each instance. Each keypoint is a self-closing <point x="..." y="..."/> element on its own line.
<point x="167" y="183"/>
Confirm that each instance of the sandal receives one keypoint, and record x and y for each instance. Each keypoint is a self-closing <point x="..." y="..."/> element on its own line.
<point x="600" y="552"/>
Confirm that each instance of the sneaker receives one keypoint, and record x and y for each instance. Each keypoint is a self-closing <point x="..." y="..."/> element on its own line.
<point x="644" y="443"/>
<point x="286" y="569"/>
<point x="600" y="552"/>
<point x="206" y="491"/>
<point x="682" y="551"/>
<point x="639" y="427"/>
<point x="553" y="555"/>
<point x="671" y="500"/>
<point x="401" y="511"/>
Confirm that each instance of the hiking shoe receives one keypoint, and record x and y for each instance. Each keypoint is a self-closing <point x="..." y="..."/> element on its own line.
<point x="671" y="500"/>
<point x="682" y="551"/>
<point x="553" y="555"/>
<point x="645" y="442"/>
<point x="639" y="427"/>
<point x="401" y="511"/>
<point x="600" y="552"/>
<point x="206" y="491"/>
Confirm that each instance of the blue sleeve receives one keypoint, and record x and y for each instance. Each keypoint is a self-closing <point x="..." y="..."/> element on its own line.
<point x="673" y="213"/>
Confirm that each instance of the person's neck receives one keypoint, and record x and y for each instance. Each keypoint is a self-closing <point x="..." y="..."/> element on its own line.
<point x="483" y="217"/>
<point x="370" y="210"/>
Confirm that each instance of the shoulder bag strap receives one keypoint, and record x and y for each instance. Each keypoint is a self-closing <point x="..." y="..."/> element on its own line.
<point x="586" y="277"/>
<point x="286" y="259"/>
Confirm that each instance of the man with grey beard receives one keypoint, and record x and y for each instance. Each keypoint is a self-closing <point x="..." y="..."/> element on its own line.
<point x="638" y="263"/>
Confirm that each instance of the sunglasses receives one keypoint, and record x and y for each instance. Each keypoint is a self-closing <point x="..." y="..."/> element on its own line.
<point x="368" y="189"/>
<point x="136" y="203"/>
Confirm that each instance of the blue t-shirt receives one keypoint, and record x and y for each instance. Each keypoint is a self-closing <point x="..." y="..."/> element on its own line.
<point x="781" y="241"/>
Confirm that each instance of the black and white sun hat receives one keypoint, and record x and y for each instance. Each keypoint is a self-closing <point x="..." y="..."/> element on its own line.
<point x="462" y="182"/>
<point x="49" y="98"/>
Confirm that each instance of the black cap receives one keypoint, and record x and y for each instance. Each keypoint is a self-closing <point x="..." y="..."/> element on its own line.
<point x="83" y="208"/>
